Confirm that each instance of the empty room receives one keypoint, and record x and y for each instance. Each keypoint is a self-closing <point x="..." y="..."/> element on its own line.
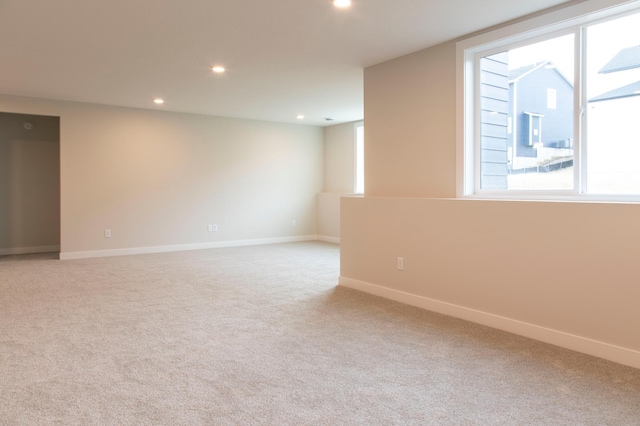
<point x="323" y="212"/>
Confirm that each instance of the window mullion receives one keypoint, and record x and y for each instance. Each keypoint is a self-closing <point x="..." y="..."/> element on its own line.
<point x="581" y="146"/>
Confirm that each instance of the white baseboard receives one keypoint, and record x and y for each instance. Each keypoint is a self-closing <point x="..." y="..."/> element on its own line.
<point x="329" y="239"/>
<point x="182" y="247"/>
<point x="28" y="250"/>
<point x="569" y="341"/>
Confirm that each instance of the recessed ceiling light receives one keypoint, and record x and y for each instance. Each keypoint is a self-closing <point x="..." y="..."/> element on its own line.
<point x="218" y="69"/>
<point x="342" y="3"/>
<point x="299" y="116"/>
<point x="158" y="101"/>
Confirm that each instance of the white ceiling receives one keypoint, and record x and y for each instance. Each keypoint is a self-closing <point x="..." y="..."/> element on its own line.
<point x="283" y="57"/>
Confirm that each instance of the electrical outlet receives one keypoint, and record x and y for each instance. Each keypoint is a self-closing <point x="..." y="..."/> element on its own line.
<point x="210" y="228"/>
<point x="400" y="264"/>
<point x="107" y="233"/>
<point x="214" y="227"/>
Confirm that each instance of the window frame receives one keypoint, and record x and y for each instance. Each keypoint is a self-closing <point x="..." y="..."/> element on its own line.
<point x="357" y="161"/>
<point x="563" y="21"/>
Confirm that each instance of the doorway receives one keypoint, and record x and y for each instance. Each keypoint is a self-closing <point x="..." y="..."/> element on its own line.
<point x="29" y="184"/>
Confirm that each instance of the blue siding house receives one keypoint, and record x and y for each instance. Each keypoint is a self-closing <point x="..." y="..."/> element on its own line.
<point x="494" y="109"/>
<point x="540" y="114"/>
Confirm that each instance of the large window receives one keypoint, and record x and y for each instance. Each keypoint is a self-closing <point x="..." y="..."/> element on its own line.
<point x="553" y="110"/>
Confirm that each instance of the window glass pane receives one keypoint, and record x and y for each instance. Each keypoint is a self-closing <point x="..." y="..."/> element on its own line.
<point x="526" y="117"/>
<point x="613" y="109"/>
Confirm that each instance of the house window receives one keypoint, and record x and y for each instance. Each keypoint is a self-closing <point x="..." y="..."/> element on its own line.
<point x="581" y="78"/>
<point x="359" y="159"/>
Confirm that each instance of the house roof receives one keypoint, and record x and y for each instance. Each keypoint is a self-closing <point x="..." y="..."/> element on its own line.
<point x="624" y="60"/>
<point x="627" y="91"/>
<point x="517" y="74"/>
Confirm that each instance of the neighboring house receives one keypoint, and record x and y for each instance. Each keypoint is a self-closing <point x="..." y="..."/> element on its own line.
<point x="614" y="138"/>
<point x="526" y="121"/>
<point x="626" y="59"/>
<point x="627" y="91"/>
<point x="540" y="124"/>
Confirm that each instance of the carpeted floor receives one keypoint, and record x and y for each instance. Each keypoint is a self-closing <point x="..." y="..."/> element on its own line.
<point x="262" y="336"/>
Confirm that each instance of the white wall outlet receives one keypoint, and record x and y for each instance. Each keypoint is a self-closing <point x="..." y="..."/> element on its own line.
<point x="214" y="227"/>
<point x="293" y="223"/>
<point x="210" y="228"/>
<point x="107" y="233"/>
<point x="400" y="264"/>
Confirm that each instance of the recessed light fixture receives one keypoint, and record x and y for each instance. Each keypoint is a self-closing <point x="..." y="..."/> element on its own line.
<point x="218" y="69"/>
<point x="342" y="3"/>
<point x="158" y="101"/>
<point x="300" y="116"/>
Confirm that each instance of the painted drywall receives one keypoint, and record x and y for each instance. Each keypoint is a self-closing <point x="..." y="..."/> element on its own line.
<point x="562" y="272"/>
<point x="339" y="154"/>
<point x="339" y="177"/>
<point x="29" y="184"/>
<point x="410" y="114"/>
<point x="329" y="215"/>
<point x="578" y="277"/>
<point x="156" y="178"/>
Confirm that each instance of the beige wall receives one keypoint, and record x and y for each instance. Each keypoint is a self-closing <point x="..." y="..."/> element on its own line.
<point x="410" y="114"/>
<point x="29" y="184"/>
<point x="339" y="154"/>
<point x="158" y="179"/>
<point x="519" y="260"/>
<point x="329" y="215"/>
<point x="339" y="177"/>
<point x="562" y="272"/>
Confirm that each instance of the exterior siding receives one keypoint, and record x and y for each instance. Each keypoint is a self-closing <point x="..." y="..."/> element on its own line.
<point x="494" y="106"/>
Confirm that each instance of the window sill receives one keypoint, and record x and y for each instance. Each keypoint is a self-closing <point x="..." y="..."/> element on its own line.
<point x="582" y="198"/>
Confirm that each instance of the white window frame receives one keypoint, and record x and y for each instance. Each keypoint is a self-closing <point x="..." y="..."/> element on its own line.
<point x="358" y="162"/>
<point x="553" y="24"/>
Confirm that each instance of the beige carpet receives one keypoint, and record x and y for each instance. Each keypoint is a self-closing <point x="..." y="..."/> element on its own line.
<point x="261" y="336"/>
